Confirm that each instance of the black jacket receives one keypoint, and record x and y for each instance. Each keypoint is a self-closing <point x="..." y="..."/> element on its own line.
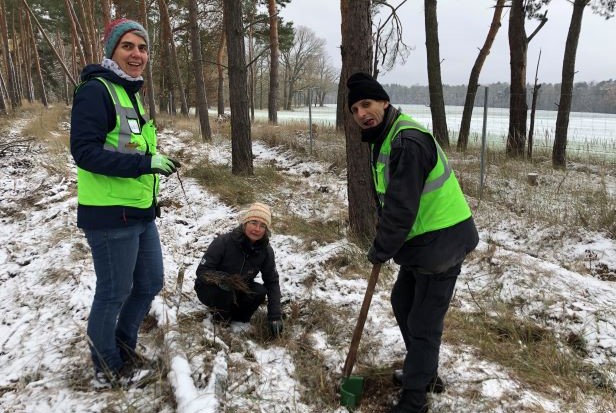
<point x="232" y="253"/>
<point x="93" y="116"/>
<point x="413" y="155"/>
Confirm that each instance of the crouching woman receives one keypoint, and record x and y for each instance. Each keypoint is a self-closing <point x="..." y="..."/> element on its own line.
<point x="226" y="274"/>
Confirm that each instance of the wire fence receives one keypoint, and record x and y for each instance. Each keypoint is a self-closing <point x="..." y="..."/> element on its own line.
<point x="591" y="137"/>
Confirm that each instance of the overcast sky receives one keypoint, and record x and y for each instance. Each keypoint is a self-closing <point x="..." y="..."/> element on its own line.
<point x="463" y="25"/>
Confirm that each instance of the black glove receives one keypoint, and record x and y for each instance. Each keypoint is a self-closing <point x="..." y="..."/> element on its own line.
<point x="372" y="256"/>
<point x="275" y="327"/>
<point x="161" y="164"/>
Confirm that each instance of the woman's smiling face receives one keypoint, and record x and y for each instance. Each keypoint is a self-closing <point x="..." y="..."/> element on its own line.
<point x="131" y="54"/>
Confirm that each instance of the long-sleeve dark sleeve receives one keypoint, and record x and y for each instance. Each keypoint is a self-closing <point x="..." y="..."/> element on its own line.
<point x="412" y="157"/>
<point x="270" y="277"/>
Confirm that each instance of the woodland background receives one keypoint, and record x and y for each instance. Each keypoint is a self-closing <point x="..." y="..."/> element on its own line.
<point x="240" y="55"/>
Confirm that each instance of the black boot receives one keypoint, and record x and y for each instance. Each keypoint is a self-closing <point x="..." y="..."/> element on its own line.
<point x="411" y="401"/>
<point x="436" y="385"/>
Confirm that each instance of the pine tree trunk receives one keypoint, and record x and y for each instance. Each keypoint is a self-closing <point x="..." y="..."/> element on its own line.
<point x="149" y="81"/>
<point x="51" y="46"/>
<point x="3" y="96"/>
<point x="87" y="36"/>
<point x="435" y="84"/>
<point x="106" y="11"/>
<point x="26" y="38"/>
<point x="518" y="108"/>
<point x="168" y="36"/>
<point x="356" y="53"/>
<point x="559" y="150"/>
<point x="195" y="43"/>
<point x="17" y="58"/>
<point x="76" y="37"/>
<point x="473" y="81"/>
<point x="221" y="75"/>
<point x="8" y="60"/>
<point x="241" y="144"/>
<point x="272" y="99"/>
<point x="37" y="64"/>
<point x="93" y="30"/>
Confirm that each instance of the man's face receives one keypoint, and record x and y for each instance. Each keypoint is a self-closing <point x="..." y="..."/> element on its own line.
<point x="368" y="113"/>
<point x="131" y="54"/>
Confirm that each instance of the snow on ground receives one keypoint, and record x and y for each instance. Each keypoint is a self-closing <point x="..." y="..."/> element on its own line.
<point x="47" y="283"/>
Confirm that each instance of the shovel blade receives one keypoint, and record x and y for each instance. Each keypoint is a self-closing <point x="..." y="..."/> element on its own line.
<point x="351" y="390"/>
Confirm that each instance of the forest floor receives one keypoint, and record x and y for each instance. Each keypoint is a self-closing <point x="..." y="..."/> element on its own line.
<point x="532" y="326"/>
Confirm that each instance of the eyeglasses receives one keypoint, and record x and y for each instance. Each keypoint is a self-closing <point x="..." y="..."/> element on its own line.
<point x="256" y="223"/>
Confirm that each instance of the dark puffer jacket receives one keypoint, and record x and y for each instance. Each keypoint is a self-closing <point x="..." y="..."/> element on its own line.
<point x="232" y="253"/>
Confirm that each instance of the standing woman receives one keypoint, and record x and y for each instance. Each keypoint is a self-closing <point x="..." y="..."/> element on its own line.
<point x="114" y="146"/>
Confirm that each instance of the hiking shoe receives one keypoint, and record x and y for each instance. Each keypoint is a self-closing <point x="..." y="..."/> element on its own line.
<point x="436" y="385"/>
<point x="128" y="376"/>
<point x="411" y="401"/>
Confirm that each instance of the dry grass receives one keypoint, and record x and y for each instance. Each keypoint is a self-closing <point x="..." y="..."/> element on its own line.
<point x="548" y="363"/>
<point x="235" y="189"/>
<point x="327" y="145"/>
<point x="535" y="355"/>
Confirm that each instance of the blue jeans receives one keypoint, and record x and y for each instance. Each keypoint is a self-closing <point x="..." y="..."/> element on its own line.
<point x="128" y="263"/>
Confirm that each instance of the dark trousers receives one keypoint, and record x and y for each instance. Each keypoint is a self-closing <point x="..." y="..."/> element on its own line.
<point x="231" y="305"/>
<point x="420" y="302"/>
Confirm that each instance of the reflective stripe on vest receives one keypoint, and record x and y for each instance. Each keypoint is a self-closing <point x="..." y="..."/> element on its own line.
<point x="127" y="137"/>
<point x="442" y="203"/>
<point x="124" y="112"/>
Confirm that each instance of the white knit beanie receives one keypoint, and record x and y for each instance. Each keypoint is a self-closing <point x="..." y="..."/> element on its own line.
<point x="259" y="212"/>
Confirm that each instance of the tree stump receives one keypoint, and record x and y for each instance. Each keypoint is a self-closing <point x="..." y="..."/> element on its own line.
<point x="532" y="178"/>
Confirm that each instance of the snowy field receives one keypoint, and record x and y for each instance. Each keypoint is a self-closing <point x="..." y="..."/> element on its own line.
<point x="47" y="284"/>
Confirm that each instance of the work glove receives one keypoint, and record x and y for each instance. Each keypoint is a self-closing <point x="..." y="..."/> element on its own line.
<point x="275" y="327"/>
<point x="162" y="165"/>
<point x="372" y="256"/>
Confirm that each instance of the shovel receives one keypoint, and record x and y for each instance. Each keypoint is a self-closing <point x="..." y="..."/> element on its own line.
<point x="352" y="387"/>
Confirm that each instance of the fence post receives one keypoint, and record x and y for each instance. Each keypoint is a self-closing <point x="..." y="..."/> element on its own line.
<point x="310" y="117"/>
<point x="483" y="142"/>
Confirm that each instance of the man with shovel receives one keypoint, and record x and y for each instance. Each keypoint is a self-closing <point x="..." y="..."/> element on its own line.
<point x="424" y="224"/>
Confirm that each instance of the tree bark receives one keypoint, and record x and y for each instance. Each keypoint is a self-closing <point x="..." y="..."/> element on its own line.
<point x="76" y="38"/>
<point x="241" y="144"/>
<point x="37" y="63"/>
<point x="168" y="36"/>
<point x="149" y="81"/>
<point x="566" y="90"/>
<point x="106" y="11"/>
<point x="221" y="76"/>
<point x="68" y="73"/>
<point x="3" y="96"/>
<point x="533" y="108"/>
<point x="195" y="43"/>
<point x="473" y="80"/>
<point x="272" y="99"/>
<point x="435" y="84"/>
<point x="88" y="37"/>
<point x="356" y="53"/>
<point x="26" y="38"/>
<point x="518" y="107"/>
<point x="8" y="60"/>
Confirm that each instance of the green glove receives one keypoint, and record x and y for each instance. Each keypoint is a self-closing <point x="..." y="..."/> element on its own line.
<point x="162" y="165"/>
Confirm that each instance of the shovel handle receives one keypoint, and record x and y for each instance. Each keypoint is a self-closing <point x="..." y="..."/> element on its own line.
<point x="361" y="320"/>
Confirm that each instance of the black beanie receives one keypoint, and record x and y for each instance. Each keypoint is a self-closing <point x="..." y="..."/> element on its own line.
<point x="363" y="86"/>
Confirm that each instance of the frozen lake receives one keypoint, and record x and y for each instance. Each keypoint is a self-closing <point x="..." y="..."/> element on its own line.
<point x="589" y="132"/>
